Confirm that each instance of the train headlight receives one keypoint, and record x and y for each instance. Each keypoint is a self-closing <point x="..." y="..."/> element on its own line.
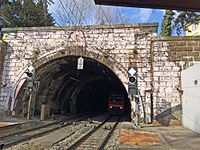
<point x="120" y="107"/>
<point x="110" y="106"/>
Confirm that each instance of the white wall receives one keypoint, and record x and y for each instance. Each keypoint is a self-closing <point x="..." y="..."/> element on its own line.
<point x="190" y="79"/>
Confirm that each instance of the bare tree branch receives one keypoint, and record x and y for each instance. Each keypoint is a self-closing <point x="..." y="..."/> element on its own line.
<point x="85" y="12"/>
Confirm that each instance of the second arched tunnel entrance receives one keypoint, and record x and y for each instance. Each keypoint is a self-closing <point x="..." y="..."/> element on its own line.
<point x="69" y="90"/>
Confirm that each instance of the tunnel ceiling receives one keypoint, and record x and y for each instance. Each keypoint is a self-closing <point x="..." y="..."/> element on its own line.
<point x="61" y="82"/>
<point x="67" y="68"/>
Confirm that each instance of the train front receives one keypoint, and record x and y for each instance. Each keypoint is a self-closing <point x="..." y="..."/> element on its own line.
<point x="116" y="103"/>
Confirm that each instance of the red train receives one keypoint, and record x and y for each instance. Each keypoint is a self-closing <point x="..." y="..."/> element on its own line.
<point x="116" y="103"/>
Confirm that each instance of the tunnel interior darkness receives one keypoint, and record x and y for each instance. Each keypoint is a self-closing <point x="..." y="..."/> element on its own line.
<point x="68" y="90"/>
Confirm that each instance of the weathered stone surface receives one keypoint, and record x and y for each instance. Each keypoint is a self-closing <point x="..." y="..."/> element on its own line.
<point x="2" y="84"/>
<point x="117" y="47"/>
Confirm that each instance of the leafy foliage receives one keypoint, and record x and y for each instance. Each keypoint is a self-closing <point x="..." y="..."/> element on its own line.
<point x="178" y="21"/>
<point x="24" y="13"/>
<point x="184" y="19"/>
<point x="166" y="29"/>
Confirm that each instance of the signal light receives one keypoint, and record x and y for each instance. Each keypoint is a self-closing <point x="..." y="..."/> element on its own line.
<point x="132" y="80"/>
<point x="29" y="74"/>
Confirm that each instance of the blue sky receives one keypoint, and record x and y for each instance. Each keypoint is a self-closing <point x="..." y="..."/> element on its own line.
<point x="144" y="15"/>
<point x="133" y="15"/>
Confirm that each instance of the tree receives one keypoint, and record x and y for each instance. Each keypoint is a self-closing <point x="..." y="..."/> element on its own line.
<point x="6" y="13"/>
<point x="25" y="13"/>
<point x="178" y="21"/>
<point x="34" y="14"/>
<point x="184" y="18"/>
<point x="85" y="12"/>
<point x="3" y="2"/>
<point x="166" y="28"/>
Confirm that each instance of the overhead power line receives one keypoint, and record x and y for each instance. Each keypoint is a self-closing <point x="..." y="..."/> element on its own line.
<point x="104" y="14"/>
<point x="152" y="15"/>
<point x="125" y="19"/>
<point x="80" y="11"/>
<point x="66" y="11"/>
<point x="70" y="11"/>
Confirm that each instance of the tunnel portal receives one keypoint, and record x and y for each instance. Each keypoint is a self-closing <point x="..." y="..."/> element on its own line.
<point x="69" y="90"/>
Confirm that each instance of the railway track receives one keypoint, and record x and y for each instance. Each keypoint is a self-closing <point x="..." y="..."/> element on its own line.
<point x="96" y="138"/>
<point x="10" y="128"/>
<point x="20" y="136"/>
<point x="30" y="126"/>
<point x="21" y="126"/>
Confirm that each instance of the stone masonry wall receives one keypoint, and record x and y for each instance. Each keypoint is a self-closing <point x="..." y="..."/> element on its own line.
<point x="2" y="57"/>
<point x="171" y="55"/>
<point x="158" y="60"/>
<point x="117" y="46"/>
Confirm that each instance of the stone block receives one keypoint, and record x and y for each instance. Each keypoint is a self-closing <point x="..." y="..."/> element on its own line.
<point x="182" y="48"/>
<point x="181" y="53"/>
<point x="187" y="58"/>
<point x="192" y="43"/>
<point x="177" y="43"/>
<point x="158" y="44"/>
<point x="175" y="59"/>
<point x="172" y="53"/>
<point x="196" y="48"/>
<point x="196" y="58"/>
<point x="194" y="54"/>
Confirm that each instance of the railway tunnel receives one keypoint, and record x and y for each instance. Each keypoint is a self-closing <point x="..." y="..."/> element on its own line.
<point x="68" y="90"/>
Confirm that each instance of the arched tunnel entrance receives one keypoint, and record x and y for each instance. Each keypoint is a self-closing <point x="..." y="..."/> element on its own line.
<point x="68" y="90"/>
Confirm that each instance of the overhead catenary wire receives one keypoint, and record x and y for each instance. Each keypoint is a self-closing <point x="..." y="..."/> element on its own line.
<point x="80" y="11"/>
<point x="71" y="12"/>
<point x="82" y="16"/>
<point x="152" y="15"/>
<point x="104" y="14"/>
<point x="125" y="19"/>
<point x="66" y="11"/>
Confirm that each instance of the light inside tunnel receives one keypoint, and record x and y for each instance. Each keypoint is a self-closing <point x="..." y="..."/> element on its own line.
<point x="68" y="90"/>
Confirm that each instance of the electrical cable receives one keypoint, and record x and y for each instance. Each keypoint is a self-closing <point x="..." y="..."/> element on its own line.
<point x="152" y="15"/>
<point x="66" y="11"/>
<point x="104" y="14"/>
<point x="70" y="11"/>
<point x="125" y="19"/>
<point x="80" y="11"/>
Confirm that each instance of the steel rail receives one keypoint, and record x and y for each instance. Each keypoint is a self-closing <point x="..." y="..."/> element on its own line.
<point x="22" y="138"/>
<point x="85" y="136"/>
<point x="103" y="143"/>
<point x="89" y="133"/>
<point x="11" y="126"/>
<point x="36" y="128"/>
